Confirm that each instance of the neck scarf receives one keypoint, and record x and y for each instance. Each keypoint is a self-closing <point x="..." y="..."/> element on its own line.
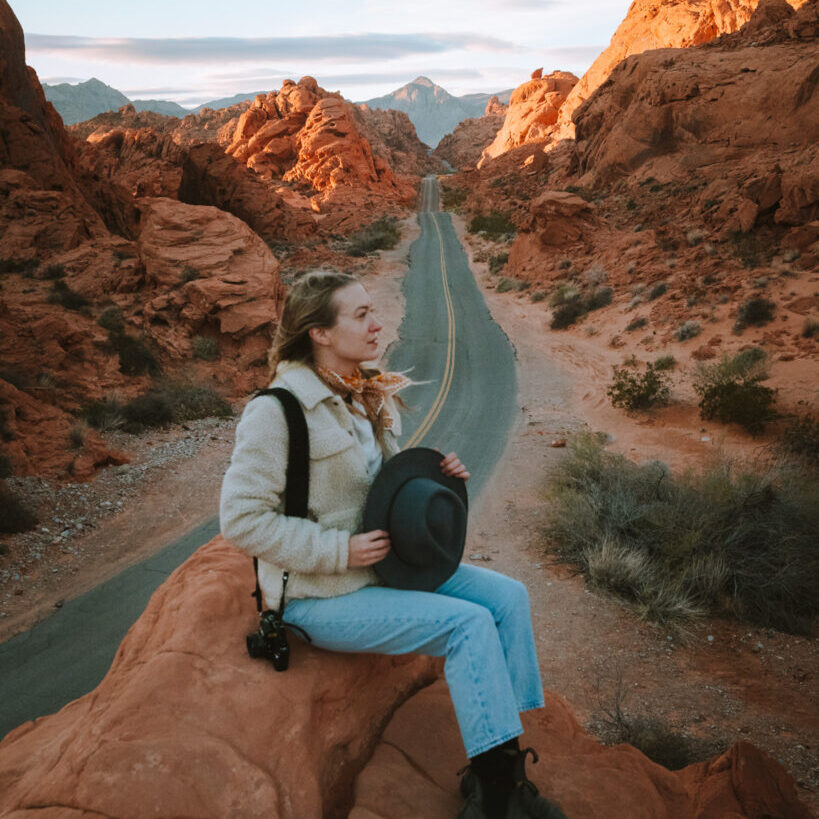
<point x="368" y="390"/>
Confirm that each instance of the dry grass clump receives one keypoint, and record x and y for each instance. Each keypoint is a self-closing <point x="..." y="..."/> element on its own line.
<point x="635" y="391"/>
<point x="383" y="234"/>
<point x="726" y="541"/>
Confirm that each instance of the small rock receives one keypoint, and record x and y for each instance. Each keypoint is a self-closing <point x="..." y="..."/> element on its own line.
<point x="59" y="604"/>
<point x="710" y="638"/>
<point x="558" y="443"/>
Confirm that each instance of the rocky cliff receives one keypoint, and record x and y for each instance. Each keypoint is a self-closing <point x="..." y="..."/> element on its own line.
<point x="464" y="146"/>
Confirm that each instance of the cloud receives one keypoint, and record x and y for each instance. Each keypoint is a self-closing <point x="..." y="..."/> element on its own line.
<point x="59" y="80"/>
<point x="251" y="49"/>
<point x="261" y="76"/>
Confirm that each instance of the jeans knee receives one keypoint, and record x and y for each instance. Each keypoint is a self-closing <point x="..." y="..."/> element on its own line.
<point x="478" y="623"/>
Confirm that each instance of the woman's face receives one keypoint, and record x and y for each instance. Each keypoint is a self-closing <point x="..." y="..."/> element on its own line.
<point x="354" y="337"/>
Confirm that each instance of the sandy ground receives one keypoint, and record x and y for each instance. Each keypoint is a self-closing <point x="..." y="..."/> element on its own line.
<point x="724" y="683"/>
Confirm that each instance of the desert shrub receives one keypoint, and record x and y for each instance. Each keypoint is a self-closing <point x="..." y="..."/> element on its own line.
<point x="594" y="275"/>
<point x="135" y="358"/>
<point x="63" y="295"/>
<point x="538" y="295"/>
<point x="688" y="329"/>
<point x="498" y="262"/>
<point x="570" y="304"/>
<point x="111" y="319"/>
<point x="564" y="264"/>
<point x="657" y="291"/>
<point x="733" y="541"/>
<point x="635" y="391"/>
<point x="599" y="297"/>
<point x="506" y="284"/>
<point x="205" y="348"/>
<point x="567" y="314"/>
<point x="383" y="234"/>
<point x="14" y="515"/>
<point x="810" y="328"/>
<point x="493" y="225"/>
<point x="173" y="402"/>
<point x="105" y="415"/>
<point x="24" y="266"/>
<point x="730" y="391"/>
<point x="800" y="438"/>
<point x="76" y="436"/>
<point x="754" y="313"/>
<point x="636" y="324"/>
<point x="750" y="248"/>
<point x="452" y="198"/>
<point x="665" y="362"/>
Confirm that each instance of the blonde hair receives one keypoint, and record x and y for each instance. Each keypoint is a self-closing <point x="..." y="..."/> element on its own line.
<point x="309" y="304"/>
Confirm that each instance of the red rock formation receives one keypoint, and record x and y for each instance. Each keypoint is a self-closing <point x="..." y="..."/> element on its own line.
<point x="651" y="25"/>
<point x="464" y="146"/>
<point x="667" y="113"/>
<point x="533" y="109"/>
<point x="126" y="117"/>
<point x="186" y="724"/>
<point x="412" y="767"/>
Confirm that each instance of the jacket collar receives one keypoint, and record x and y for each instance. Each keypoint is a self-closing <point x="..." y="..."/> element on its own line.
<point x="303" y="382"/>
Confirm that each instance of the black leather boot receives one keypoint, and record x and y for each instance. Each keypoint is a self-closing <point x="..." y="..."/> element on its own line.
<point x="524" y="801"/>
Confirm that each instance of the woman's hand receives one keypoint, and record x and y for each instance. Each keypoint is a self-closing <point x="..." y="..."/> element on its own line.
<point x="368" y="548"/>
<point x="452" y="467"/>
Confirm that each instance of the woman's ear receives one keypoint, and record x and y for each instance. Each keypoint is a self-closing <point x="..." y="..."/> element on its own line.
<point x="318" y="335"/>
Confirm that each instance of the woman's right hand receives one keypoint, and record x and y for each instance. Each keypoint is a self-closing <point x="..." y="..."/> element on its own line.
<point x="368" y="548"/>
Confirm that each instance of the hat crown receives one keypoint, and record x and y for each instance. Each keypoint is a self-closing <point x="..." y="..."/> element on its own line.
<point x="426" y="518"/>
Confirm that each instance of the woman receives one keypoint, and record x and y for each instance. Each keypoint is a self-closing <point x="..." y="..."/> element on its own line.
<point x="478" y="619"/>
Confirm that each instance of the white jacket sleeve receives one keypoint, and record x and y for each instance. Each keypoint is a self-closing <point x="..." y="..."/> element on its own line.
<point x="252" y="502"/>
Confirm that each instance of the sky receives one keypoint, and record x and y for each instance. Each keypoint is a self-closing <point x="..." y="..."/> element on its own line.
<point x="191" y="52"/>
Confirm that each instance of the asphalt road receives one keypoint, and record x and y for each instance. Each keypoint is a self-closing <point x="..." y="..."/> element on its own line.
<point x="449" y="340"/>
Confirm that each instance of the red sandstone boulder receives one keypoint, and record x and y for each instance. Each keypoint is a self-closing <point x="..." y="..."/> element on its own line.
<point x="413" y="773"/>
<point x="186" y="724"/>
<point x="533" y="109"/>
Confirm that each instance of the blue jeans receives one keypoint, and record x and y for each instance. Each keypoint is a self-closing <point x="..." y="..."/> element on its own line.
<point x="478" y="619"/>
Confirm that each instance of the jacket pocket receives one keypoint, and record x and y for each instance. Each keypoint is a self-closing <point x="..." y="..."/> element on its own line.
<point x="329" y="442"/>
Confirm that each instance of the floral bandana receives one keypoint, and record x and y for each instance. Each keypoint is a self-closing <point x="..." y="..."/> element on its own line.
<point x="371" y="391"/>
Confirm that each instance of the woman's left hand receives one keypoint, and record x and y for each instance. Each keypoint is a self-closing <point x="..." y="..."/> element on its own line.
<point x="452" y="467"/>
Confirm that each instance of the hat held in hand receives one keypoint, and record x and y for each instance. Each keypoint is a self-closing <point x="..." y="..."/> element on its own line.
<point x="425" y="513"/>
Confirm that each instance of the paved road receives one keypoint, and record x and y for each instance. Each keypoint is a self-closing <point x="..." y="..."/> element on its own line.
<point x="449" y="340"/>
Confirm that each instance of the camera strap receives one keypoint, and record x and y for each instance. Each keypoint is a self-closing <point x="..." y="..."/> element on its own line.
<point x="297" y="476"/>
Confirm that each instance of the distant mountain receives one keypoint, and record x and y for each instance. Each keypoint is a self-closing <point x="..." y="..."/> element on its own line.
<point x="433" y="110"/>
<point x="77" y="103"/>
<point x="170" y="109"/>
<point x="225" y="102"/>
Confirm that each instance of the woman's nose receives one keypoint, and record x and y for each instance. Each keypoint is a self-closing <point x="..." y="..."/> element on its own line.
<point x="376" y="325"/>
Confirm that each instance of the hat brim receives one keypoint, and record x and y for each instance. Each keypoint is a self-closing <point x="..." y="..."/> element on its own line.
<point x="417" y="462"/>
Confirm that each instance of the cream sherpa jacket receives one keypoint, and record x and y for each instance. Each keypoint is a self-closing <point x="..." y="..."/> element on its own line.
<point x="313" y="550"/>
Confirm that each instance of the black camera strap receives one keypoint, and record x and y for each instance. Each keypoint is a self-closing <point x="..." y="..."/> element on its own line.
<point x="297" y="476"/>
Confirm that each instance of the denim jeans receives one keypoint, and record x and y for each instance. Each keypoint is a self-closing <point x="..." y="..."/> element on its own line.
<point x="478" y="619"/>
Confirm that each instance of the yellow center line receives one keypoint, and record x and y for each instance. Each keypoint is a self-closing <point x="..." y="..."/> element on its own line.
<point x="449" y="368"/>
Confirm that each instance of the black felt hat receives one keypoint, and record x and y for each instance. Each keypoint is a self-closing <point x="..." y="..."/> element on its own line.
<point x="425" y="513"/>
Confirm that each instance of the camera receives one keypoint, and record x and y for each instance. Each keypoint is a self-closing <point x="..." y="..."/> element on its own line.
<point x="270" y="641"/>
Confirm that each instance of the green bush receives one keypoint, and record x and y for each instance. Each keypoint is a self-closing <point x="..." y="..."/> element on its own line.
<point x="658" y="290"/>
<point x="730" y="541"/>
<point x="205" y="348"/>
<point x="635" y="391"/>
<point x="810" y="328"/>
<point x="14" y="516"/>
<point x="567" y="314"/>
<point x="134" y="356"/>
<point x="538" y="295"/>
<point x="498" y="262"/>
<point x="754" y="313"/>
<point x="63" y="295"/>
<point x="173" y="402"/>
<point x="599" y="297"/>
<point x="570" y="304"/>
<point x="665" y="362"/>
<point x="111" y="319"/>
<point x="730" y="391"/>
<point x="493" y="226"/>
<point x="801" y="439"/>
<point x="105" y="415"/>
<point x="636" y="324"/>
<point x="383" y="234"/>
<point x="688" y="329"/>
